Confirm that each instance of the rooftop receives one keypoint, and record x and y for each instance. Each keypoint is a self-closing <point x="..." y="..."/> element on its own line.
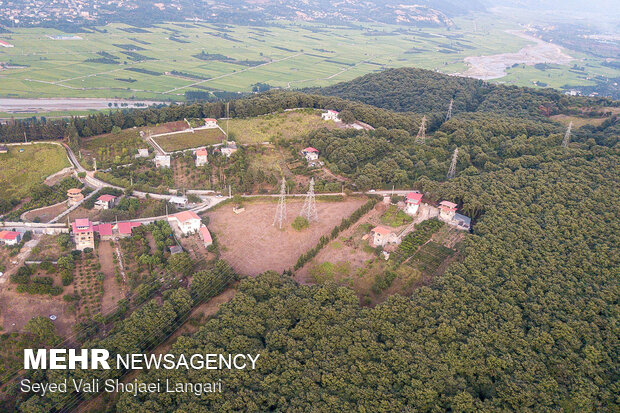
<point x="414" y="197"/>
<point x="9" y="235"/>
<point x="106" y="198"/>
<point x="382" y="230"/>
<point x="186" y="216"/>
<point x="310" y="149"/>
<point x="205" y="234"/>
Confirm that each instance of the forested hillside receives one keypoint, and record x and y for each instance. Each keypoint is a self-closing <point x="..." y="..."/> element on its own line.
<point x="524" y="320"/>
<point x="425" y="91"/>
<point x="527" y="321"/>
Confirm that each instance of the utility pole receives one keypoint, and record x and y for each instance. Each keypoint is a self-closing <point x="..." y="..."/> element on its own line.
<point x="449" y="114"/>
<point x="281" y="210"/>
<point x="421" y="137"/>
<point x="227" y="116"/>
<point x="452" y="170"/>
<point x="309" y="211"/>
<point x="25" y="139"/>
<point x="566" y="139"/>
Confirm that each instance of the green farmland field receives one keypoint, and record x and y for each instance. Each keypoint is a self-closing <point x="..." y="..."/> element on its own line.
<point x="17" y="174"/>
<point x="212" y="58"/>
<point x="181" y="141"/>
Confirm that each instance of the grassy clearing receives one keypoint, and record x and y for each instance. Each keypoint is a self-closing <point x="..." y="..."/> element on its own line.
<point x="277" y="126"/>
<point x="21" y="171"/>
<point x="394" y="217"/>
<point x="577" y="121"/>
<point x="112" y="148"/>
<point x="188" y="140"/>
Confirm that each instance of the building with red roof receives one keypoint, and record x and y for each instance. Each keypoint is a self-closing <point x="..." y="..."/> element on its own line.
<point x="330" y="115"/>
<point x="412" y="202"/>
<point x="447" y="210"/>
<point x="106" y="202"/>
<point x="210" y="123"/>
<point x="10" y="237"/>
<point x="206" y="236"/>
<point x="202" y="157"/>
<point x="105" y="231"/>
<point x="83" y="234"/>
<point x="311" y="154"/>
<point x="5" y="44"/>
<point x="125" y="228"/>
<point x="188" y="221"/>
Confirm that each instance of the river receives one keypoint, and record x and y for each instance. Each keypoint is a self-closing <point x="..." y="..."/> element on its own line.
<point x="16" y="105"/>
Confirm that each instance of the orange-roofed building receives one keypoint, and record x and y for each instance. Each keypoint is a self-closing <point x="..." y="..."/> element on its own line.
<point x="202" y="157"/>
<point x="210" y="123"/>
<point x="75" y="196"/>
<point x="10" y="237"/>
<point x="381" y="236"/>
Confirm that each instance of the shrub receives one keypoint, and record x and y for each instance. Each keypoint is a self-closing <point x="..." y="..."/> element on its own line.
<point x="300" y="223"/>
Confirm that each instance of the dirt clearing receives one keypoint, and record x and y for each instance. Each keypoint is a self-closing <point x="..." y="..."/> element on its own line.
<point x="252" y="245"/>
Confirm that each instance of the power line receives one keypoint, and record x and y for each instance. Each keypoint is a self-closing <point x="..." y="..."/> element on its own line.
<point x="449" y="114"/>
<point x="280" y="216"/>
<point x="309" y="211"/>
<point x="452" y="170"/>
<point x="421" y="136"/>
<point x="566" y="139"/>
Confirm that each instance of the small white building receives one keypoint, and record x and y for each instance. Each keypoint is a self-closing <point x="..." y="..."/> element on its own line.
<point x="162" y="161"/>
<point x="206" y="236"/>
<point x="188" y="221"/>
<point x="178" y="201"/>
<point x="310" y="153"/>
<point x="412" y="203"/>
<point x="10" y="237"/>
<point x="330" y="115"/>
<point x="229" y="149"/>
<point x="142" y="153"/>
<point x="447" y="210"/>
<point x="202" y="157"/>
<point x="381" y="236"/>
<point x="106" y="202"/>
<point x="210" y="123"/>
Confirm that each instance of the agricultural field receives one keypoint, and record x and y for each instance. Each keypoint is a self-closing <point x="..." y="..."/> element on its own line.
<point x="187" y="140"/>
<point x="18" y="177"/>
<point x="277" y="126"/>
<point x="112" y="148"/>
<point x="168" y="60"/>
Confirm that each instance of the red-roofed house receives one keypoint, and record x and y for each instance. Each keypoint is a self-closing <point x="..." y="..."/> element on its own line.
<point x="105" y="202"/>
<point x="412" y="202"/>
<point x="206" y="236"/>
<point x="10" y="237"/>
<point x="330" y="115"/>
<point x="124" y="228"/>
<point x="105" y="231"/>
<point x="447" y="210"/>
<point x="83" y="234"/>
<point x="5" y="44"/>
<point x="310" y="153"/>
<point x="188" y="221"/>
<point x="381" y="236"/>
<point x="210" y="123"/>
<point x="202" y="157"/>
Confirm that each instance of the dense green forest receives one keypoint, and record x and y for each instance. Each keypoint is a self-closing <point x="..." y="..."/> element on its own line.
<point x="525" y="320"/>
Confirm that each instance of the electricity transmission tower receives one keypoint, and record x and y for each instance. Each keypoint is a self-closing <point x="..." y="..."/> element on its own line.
<point x="449" y="114"/>
<point x="309" y="211"/>
<point x="421" y="137"/>
<point x="452" y="171"/>
<point x="566" y="139"/>
<point x="281" y="210"/>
